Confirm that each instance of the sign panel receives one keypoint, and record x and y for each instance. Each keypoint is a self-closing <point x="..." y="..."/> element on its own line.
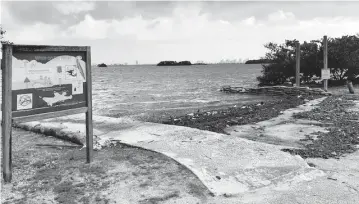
<point x="47" y="82"/>
<point x="325" y="74"/>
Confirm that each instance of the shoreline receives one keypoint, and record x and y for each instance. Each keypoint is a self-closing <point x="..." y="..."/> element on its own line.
<point x="338" y="141"/>
<point x="158" y="116"/>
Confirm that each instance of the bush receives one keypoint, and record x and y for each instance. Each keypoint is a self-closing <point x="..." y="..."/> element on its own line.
<point x="343" y="59"/>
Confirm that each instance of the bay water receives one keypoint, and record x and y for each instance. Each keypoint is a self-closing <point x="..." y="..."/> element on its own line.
<point x="140" y="89"/>
<point x="130" y="90"/>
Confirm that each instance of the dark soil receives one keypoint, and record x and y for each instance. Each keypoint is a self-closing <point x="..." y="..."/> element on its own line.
<point x="218" y="120"/>
<point x="343" y="135"/>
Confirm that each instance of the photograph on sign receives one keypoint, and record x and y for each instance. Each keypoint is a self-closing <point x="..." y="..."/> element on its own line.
<point x="47" y="80"/>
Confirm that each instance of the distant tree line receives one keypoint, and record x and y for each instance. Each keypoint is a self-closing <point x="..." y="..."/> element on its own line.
<point x="174" y="63"/>
<point x="258" y="61"/>
<point x="343" y="61"/>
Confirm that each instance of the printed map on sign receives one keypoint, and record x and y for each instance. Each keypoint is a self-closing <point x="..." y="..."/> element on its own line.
<point x="55" y="82"/>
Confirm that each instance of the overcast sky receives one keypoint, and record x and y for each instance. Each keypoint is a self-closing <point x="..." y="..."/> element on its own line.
<point x="149" y="32"/>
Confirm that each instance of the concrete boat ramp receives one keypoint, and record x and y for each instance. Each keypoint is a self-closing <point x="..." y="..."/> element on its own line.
<point x="228" y="165"/>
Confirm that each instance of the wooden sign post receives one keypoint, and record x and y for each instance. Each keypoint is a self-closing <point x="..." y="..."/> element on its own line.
<point x="325" y="51"/>
<point x="297" y="65"/>
<point x="41" y="82"/>
<point x="6" y="121"/>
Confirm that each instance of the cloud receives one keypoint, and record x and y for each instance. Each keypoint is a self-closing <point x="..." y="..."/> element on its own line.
<point x="89" y="28"/>
<point x="331" y="26"/>
<point x="39" y="33"/>
<point x="1" y="12"/>
<point x="188" y="34"/>
<point x="76" y="7"/>
<point x="26" y="13"/>
<point x="153" y="24"/>
<point x="280" y="16"/>
<point x="151" y="32"/>
<point x="249" y="21"/>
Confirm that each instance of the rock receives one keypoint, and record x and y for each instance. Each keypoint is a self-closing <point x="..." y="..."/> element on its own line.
<point x="330" y="178"/>
<point x="225" y="88"/>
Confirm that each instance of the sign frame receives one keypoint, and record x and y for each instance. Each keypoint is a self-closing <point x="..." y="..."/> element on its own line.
<point x="8" y="116"/>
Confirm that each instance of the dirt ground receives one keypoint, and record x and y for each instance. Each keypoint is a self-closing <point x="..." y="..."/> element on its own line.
<point x="48" y="170"/>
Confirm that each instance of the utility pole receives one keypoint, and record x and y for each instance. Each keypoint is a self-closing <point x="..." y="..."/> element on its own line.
<point x="325" y="51"/>
<point x="297" y="65"/>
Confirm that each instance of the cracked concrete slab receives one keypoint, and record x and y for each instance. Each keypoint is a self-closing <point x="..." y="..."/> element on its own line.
<point x="226" y="164"/>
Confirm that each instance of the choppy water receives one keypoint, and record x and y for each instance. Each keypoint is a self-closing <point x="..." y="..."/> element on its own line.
<point x="130" y="90"/>
<point x="137" y="89"/>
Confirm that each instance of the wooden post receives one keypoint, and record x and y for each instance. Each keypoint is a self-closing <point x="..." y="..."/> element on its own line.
<point x="350" y="86"/>
<point x="325" y="51"/>
<point x="89" y="127"/>
<point x="6" y="122"/>
<point x="297" y="66"/>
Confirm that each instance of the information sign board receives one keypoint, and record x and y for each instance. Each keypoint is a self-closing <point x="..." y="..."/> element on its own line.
<point x="40" y="82"/>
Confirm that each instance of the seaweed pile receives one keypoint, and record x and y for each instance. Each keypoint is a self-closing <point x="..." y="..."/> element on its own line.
<point x="218" y="120"/>
<point x="343" y="135"/>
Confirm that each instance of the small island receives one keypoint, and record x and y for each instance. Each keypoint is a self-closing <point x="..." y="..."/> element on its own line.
<point x="174" y="63"/>
<point x="102" y="65"/>
<point x="181" y="63"/>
